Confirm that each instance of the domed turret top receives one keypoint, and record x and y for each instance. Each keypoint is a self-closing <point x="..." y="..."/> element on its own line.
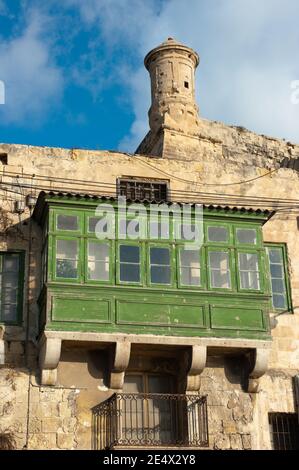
<point x="171" y="44"/>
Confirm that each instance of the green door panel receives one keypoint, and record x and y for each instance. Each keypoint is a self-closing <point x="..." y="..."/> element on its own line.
<point x="159" y="314"/>
<point x="236" y="318"/>
<point x="80" y="310"/>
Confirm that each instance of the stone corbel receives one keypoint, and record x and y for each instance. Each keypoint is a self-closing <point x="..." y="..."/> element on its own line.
<point x="198" y="362"/>
<point x="260" y="359"/>
<point x="49" y="356"/>
<point x="120" y="363"/>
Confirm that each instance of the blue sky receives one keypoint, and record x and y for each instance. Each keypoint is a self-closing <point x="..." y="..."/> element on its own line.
<point x="74" y="75"/>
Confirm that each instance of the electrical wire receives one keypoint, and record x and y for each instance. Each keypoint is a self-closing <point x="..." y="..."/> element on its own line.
<point x="197" y="183"/>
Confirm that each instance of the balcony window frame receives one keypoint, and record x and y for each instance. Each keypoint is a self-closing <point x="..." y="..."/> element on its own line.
<point x="202" y="264"/>
<point x="288" y="291"/>
<point x="172" y="260"/>
<point x="141" y="282"/>
<point x="80" y="253"/>
<point x="247" y="226"/>
<point x="261" y="262"/>
<point x="229" y="251"/>
<point x="111" y="251"/>
<point x="20" y="293"/>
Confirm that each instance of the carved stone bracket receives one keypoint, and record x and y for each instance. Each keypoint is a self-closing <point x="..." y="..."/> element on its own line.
<point x="198" y="362"/>
<point x="260" y="360"/>
<point x="119" y="364"/>
<point x="49" y="355"/>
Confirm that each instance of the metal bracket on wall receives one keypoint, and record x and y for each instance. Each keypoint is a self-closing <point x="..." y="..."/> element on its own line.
<point x="260" y="359"/>
<point x="119" y="364"/>
<point x="49" y="356"/>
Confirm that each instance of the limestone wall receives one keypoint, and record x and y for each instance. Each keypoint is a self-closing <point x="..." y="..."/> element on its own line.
<point x="217" y="155"/>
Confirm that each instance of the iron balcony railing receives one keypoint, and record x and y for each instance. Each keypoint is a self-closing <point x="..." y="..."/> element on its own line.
<point x="151" y="419"/>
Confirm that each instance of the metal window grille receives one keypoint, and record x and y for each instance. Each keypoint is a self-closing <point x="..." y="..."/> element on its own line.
<point x="152" y="191"/>
<point x="151" y="420"/>
<point x="284" y="431"/>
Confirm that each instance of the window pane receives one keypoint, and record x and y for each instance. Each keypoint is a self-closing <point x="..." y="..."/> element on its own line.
<point x="188" y="232"/>
<point x="218" y="234"/>
<point x="279" y="301"/>
<point x="67" y="222"/>
<point x="9" y="280"/>
<point x="219" y="260"/>
<point x="98" y="261"/>
<point x="219" y="269"/>
<point x="129" y="254"/>
<point x="160" y="256"/>
<point x="98" y="251"/>
<point x="248" y="261"/>
<point x="277" y="286"/>
<point x="276" y="271"/>
<point x="249" y="280"/>
<point x="92" y="223"/>
<point x="9" y="296"/>
<point x="246" y="236"/>
<point x="160" y="274"/>
<point x="133" y="384"/>
<point x="159" y="230"/>
<point x="11" y="263"/>
<point x="275" y="255"/>
<point x="220" y="279"/>
<point x="129" y="272"/>
<point x="190" y="267"/>
<point x="67" y="259"/>
<point x="9" y="312"/>
<point x="159" y="384"/>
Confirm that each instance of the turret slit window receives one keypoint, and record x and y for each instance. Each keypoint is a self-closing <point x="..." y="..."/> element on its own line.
<point x="249" y="271"/>
<point x="219" y="265"/>
<point x="129" y="263"/>
<point x="98" y="261"/>
<point x="279" y="276"/>
<point x="67" y="254"/>
<point x="190" y="267"/>
<point x="160" y="267"/>
<point x="10" y="286"/>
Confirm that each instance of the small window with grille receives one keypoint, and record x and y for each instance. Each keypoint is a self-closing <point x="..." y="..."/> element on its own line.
<point x="284" y="431"/>
<point x="151" y="190"/>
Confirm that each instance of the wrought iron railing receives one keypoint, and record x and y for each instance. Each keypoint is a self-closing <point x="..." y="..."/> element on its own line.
<point x="151" y="419"/>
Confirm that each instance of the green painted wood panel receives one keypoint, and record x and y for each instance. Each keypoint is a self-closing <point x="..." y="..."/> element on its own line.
<point x="80" y="310"/>
<point x="147" y="313"/>
<point x="237" y="318"/>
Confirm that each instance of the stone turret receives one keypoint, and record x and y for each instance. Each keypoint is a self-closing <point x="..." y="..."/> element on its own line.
<point x="172" y="69"/>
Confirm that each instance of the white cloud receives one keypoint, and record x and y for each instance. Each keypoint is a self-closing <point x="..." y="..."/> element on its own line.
<point x="33" y="83"/>
<point x="249" y="52"/>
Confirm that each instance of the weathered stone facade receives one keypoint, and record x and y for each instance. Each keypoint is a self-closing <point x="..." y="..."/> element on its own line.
<point x="208" y="160"/>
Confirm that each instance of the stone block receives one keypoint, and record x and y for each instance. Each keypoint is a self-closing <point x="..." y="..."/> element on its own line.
<point x="236" y="442"/>
<point x="229" y="427"/>
<point x="64" y="410"/>
<point x="221" y="442"/>
<point x="246" y="441"/>
<point x="42" y="441"/>
<point x="65" y="441"/>
<point x="50" y="425"/>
